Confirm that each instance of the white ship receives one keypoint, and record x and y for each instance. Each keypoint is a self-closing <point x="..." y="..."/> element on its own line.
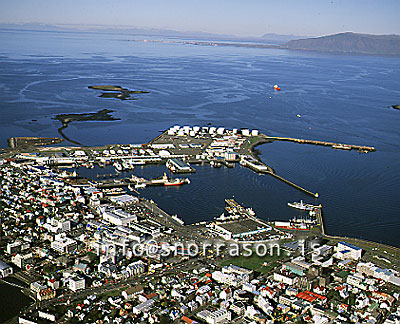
<point x="302" y="205"/>
<point x="117" y="166"/>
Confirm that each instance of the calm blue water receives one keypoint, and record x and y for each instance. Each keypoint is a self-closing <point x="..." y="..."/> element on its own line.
<point x="340" y="98"/>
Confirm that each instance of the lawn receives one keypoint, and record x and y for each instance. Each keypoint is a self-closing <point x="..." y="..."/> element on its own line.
<point x="255" y="262"/>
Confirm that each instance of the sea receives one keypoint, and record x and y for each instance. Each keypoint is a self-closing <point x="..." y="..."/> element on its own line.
<point x="324" y="96"/>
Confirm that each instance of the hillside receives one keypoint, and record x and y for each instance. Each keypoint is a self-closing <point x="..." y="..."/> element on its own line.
<point x="350" y="42"/>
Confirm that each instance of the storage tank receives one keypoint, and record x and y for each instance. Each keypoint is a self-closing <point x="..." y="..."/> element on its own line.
<point x="177" y="127"/>
<point x="171" y="132"/>
<point x="234" y="131"/>
<point x="212" y="130"/>
<point x="245" y="132"/>
<point x="196" y="129"/>
<point x="192" y="133"/>
<point x="254" y="132"/>
<point x="186" y="129"/>
<point x="220" y="131"/>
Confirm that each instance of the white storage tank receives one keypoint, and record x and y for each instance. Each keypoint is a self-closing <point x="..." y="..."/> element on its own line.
<point x="196" y="129"/>
<point x="177" y="127"/>
<point x="181" y="132"/>
<point x="204" y="129"/>
<point x="254" y="132"/>
<point x="212" y="130"/>
<point x="220" y="131"/>
<point x="234" y="131"/>
<point x="245" y="132"/>
<point x="186" y="129"/>
<point x="192" y="133"/>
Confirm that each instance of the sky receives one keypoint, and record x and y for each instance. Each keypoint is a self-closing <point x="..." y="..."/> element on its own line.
<point x="233" y="17"/>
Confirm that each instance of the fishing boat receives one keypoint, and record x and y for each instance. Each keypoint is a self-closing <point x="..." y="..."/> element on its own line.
<point x="276" y="87"/>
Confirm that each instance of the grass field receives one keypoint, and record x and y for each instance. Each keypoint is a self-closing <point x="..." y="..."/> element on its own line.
<point x="255" y="262"/>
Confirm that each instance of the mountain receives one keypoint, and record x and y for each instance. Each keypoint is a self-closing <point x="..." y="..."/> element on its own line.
<point x="349" y="43"/>
<point x="132" y="30"/>
<point x="272" y="37"/>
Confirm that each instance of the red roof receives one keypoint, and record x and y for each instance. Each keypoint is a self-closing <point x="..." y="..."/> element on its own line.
<point x="151" y="295"/>
<point x="307" y="297"/>
<point x="187" y="320"/>
<point x="310" y="296"/>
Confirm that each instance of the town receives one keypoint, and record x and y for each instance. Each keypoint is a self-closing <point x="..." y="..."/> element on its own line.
<point x="95" y="251"/>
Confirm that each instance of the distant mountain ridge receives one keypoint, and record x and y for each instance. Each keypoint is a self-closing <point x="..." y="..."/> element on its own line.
<point x="350" y="43"/>
<point x="266" y="38"/>
<point x="347" y="42"/>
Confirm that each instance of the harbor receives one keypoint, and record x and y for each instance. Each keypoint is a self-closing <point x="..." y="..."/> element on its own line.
<point x="177" y="147"/>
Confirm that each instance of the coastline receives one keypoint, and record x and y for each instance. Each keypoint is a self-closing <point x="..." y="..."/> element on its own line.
<point x="249" y="149"/>
<point x="324" y="233"/>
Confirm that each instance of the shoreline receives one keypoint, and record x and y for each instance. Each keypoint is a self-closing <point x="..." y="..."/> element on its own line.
<point x="324" y="232"/>
<point x="249" y="149"/>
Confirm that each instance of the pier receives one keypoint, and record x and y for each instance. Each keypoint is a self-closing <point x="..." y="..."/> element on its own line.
<point x="293" y="185"/>
<point x="261" y="167"/>
<point x="338" y="146"/>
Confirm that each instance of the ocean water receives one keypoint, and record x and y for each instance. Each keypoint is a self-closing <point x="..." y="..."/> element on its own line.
<point x="11" y="301"/>
<point x="341" y="98"/>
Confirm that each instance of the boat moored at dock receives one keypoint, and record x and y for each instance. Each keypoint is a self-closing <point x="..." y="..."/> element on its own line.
<point x="302" y="205"/>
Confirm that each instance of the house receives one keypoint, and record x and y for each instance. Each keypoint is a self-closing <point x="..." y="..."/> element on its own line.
<point x="46" y="294"/>
<point x="22" y="261"/>
<point x="131" y="292"/>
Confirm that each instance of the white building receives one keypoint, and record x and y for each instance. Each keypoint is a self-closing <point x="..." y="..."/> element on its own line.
<point x="21" y="261"/>
<point x="218" y="316"/>
<point x="226" y="278"/>
<point x="63" y="244"/>
<point x="143" y="307"/>
<point x="76" y="283"/>
<point x="289" y="280"/>
<point x="249" y="287"/>
<point x="264" y="304"/>
<point x="5" y="270"/>
<point x="118" y="217"/>
<point x="14" y="247"/>
<point x="48" y="316"/>
<point x="346" y="250"/>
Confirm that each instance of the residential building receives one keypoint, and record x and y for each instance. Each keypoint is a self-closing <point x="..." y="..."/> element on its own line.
<point x="76" y="283"/>
<point x="5" y="269"/>
<point x="63" y="244"/>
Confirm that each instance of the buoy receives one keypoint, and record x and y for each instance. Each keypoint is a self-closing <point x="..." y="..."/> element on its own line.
<point x="276" y="87"/>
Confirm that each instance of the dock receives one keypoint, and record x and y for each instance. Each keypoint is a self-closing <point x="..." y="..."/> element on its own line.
<point x="316" y="195"/>
<point x="261" y="167"/>
<point x="339" y="146"/>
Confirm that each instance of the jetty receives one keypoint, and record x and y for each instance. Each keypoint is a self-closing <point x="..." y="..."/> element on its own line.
<point x="338" y="146"/>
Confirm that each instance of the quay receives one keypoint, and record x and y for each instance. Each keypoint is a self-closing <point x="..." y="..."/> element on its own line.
<point x="260" y="167"/>
<point x="316" y="195"/>
<point x="363" y="149"/>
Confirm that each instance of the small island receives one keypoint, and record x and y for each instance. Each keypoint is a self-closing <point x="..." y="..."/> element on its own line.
<point x="396" y="107"/>
<point x="116" y="92"/>
<point x="65" y="119"/>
